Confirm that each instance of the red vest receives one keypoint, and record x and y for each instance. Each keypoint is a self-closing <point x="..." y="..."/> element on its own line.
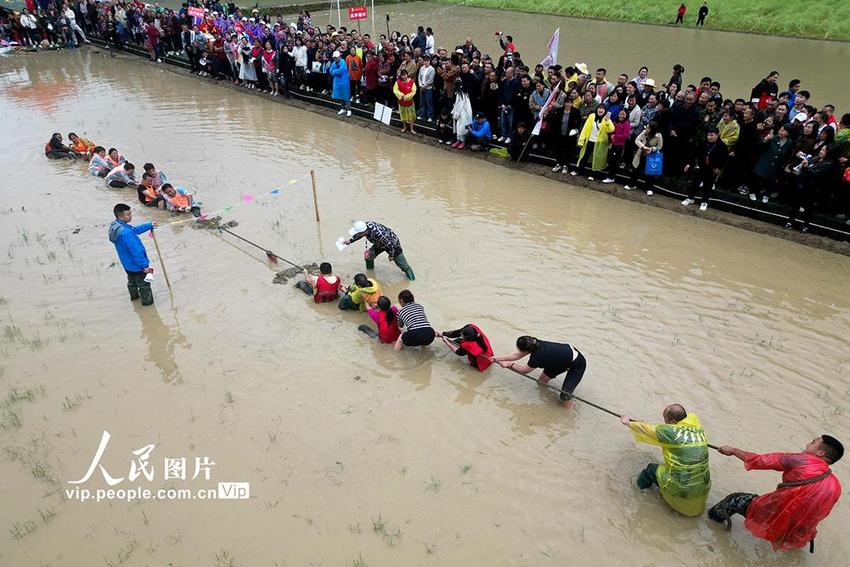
<point x="326" y="291"/>
<point x="476" y="355"/>
<point x="405" y="88"/>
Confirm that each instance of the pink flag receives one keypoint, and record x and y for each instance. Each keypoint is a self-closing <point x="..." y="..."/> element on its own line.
<point x="552" y="58"/>
<point x="247" y="198"/>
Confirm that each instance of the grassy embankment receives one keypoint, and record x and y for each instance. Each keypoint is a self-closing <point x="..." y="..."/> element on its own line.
<point x="821" y="19"/>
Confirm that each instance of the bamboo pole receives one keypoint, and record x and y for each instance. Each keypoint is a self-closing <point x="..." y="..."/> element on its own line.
<point x="315" y="200"/>
<point x="161" y="263"/>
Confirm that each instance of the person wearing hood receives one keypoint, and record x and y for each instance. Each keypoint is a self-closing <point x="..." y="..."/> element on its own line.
<point x="383" y="239"/>
<point x="341" y="83"/>
<point x="132" y="253"/>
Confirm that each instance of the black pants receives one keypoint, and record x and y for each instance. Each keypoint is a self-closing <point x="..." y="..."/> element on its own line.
<point x="801" y="197"/>
<point x="702" y="184"/>
<point x="615" y="156"/>
<point x="138" y="287"/>
<point x="60" y="154"/>
<point x="680" y="19"/>
<point x="115" y="184"/>
<point x="647" y="476"/>
<point x="639" y="172"/>
<point x="735" y="503"/>
<point x="588" y="156"/>
<point x="418" y="337"/>
<point x="568" y="150"/>
<point x="701" y="20"/>
<point x="574" y="375"/>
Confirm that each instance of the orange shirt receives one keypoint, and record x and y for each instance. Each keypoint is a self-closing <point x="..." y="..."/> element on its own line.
<point x="355" y="67"/>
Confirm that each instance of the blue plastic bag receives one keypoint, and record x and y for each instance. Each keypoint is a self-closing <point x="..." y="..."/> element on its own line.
<point x="654" y="164"/>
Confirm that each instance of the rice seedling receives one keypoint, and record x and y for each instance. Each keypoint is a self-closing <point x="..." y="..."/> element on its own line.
<point x="21" y="529"/>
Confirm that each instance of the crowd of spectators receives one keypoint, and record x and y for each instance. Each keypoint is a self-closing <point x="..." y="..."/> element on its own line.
<point x="774" y="144"/>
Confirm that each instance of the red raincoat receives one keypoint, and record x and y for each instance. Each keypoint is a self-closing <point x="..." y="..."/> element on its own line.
<point x="788" y="517"/>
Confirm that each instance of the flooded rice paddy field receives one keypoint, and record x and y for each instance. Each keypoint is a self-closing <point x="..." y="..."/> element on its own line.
<point x="357" y="455"/>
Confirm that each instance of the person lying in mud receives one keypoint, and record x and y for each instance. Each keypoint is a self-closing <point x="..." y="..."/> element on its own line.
<point x="385" y="316"/>
<point x="99" y="166"/>
<point x="471" y="342"/>
<point x="553" y="358"/>
<point x="81" y="146"/>
<point x="178" y="200"/>
<point x="149" y="195"/>
<point x="325" y="287"/>
<point x="412" y="318"/>
<point x="121" y="176"/>
<point x="55" y="149"/>
<point x="358" y="295"/>
<point x="383" y="239"/>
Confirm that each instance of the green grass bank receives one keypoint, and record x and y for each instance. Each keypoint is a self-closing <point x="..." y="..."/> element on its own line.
<point x="819" y="19"/>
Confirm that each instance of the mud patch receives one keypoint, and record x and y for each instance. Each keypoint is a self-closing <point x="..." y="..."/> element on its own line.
<point x="214" y="224"/>
<point x="284" y="276"/>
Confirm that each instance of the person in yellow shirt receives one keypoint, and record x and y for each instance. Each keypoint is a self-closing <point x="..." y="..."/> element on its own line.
<point x="361" y="294"/>
<point x="683" y="478"/>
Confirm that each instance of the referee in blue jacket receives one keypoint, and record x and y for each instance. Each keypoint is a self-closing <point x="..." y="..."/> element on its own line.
<point x="131" y="252"/>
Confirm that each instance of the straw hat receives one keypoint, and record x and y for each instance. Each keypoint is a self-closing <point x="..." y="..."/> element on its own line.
<point x="582" y="67"/>
<point x="649" y="83"/>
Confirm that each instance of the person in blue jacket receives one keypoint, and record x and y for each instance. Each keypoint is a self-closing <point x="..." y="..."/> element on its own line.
<point x="131" y="252"/>
<point x="479" y="135"/>
<point x="341" y="83"/>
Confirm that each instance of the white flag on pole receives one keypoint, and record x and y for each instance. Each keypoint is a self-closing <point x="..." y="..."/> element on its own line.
<point x="552" y="58"/>
<point x="543" y="110"/>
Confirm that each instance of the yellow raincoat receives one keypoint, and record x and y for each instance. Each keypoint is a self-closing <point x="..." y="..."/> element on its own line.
<point x="600" y="147"/>
<point x="684" y="477"/>
<point x="362" y="296"/>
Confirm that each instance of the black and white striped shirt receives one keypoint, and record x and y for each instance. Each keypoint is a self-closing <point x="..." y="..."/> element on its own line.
<point x="413" y="317"/>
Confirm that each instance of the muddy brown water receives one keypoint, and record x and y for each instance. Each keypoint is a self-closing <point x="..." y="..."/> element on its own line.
<point x="737" y="60"/>
<point x="357" y="455"/>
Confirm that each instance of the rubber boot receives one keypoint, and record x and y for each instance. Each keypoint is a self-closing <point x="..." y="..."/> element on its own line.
<point x="370" y="263"/>
<point x="146" y="293"/>
<point x="646" y="478"/>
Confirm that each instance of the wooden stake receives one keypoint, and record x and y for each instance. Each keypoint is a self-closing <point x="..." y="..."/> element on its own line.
<point x="161" y="263"/>
<point x="315" y="200"/>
